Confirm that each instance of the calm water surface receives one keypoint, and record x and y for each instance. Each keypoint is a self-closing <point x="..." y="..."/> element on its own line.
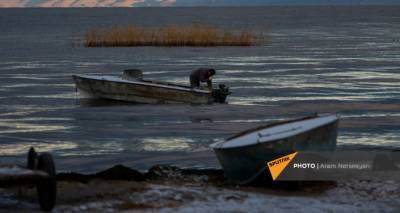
<point x="344" y="60"/>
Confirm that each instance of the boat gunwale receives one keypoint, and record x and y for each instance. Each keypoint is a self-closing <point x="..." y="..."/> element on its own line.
<point x="148" y="83"/>
<point x="219" y="145"/>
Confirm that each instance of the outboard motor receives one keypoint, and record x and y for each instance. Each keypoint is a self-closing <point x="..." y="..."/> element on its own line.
<point x="221" y="93"/>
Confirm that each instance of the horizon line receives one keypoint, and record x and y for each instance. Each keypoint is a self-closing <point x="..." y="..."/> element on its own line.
<point x="236" y="5"/>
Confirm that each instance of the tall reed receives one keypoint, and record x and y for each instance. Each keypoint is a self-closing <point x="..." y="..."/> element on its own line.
<point x="194" y="35"/>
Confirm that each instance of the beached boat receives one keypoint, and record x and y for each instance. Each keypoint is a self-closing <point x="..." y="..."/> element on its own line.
<point x="131" y="87"/>
<point x="244" y="156"/>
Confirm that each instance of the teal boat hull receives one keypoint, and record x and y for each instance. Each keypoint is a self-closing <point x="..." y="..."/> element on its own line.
<point x="244" y="164"/>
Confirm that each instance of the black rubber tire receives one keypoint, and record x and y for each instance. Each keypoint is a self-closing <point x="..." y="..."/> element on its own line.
<point x="32" y="159"/>
<point x="47" y="189"/>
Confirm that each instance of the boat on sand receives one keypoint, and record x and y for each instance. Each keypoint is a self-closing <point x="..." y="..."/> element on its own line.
<point x="244" y="156"/>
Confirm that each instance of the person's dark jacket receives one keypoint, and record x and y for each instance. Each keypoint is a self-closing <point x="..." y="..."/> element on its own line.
<point x="200" y="75"/>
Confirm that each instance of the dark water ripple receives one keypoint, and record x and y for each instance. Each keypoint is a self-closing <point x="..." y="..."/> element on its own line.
<point x="344" y="60"/>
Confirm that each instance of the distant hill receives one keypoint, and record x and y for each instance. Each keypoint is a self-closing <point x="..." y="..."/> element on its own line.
<point x="284" y="2"/>
<point x="144" y="3"/>
<point x="76" y="3"/>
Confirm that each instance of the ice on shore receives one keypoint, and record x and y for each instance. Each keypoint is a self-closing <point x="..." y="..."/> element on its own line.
<point x="346" y="196"/>
<point x="171" y="189"/>
<point x="353" y="196"/>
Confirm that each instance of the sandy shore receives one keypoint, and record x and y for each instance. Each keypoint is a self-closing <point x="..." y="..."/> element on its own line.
<point x="170" y="189"/>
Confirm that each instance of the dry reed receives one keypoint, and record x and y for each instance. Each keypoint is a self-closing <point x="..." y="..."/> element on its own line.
<point x="195" y="35"/>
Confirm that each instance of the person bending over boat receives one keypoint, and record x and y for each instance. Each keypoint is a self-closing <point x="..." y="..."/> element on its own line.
<point x="202" y="75"/>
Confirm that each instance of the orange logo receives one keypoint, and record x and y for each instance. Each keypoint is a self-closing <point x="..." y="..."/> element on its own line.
<point x="277" y="166"/>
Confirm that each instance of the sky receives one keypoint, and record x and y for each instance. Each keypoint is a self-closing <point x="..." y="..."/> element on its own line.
<point x="141" y="3"/>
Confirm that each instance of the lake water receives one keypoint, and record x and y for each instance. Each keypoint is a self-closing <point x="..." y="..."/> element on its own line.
<point x="343" y="60"/>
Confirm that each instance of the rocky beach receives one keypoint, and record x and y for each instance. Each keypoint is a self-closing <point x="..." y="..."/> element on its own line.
<point x="171" y="189"/>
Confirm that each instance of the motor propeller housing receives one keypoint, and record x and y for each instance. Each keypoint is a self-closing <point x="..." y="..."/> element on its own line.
<point x="221" y="93"/>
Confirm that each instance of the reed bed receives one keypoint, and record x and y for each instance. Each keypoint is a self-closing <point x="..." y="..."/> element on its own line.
<point x="195" y="35"/>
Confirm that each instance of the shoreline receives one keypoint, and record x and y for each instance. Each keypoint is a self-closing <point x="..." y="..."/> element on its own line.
<point x="171" y="189"/>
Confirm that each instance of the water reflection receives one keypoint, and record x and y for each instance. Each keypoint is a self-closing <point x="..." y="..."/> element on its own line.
<point x="16" y="126"/>
<point x="69" y="95"/>
<point x="21" y="148"/>
<point x="390" y="139"/>
<point x="299" y="71"/>
<point x="260" y="100"/>
<point x="97" y="102"/>
<point x="165" y="144"/>
<point x="95" y="147"/>
<point x="194" y="119"/>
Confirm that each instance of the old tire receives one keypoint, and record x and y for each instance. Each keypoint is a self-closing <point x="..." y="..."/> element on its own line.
<point x="32" y="159"/>
<point x="47" y="188"/>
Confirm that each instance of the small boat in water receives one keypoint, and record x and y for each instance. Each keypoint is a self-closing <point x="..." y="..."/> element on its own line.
<point x="131" y="87"/>
<point x="244" y="156"/>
